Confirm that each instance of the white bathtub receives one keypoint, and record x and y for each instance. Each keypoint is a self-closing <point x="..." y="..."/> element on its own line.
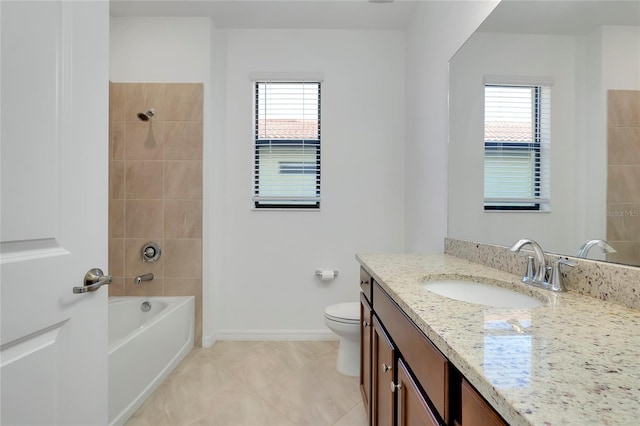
<point x="144" y="347"/>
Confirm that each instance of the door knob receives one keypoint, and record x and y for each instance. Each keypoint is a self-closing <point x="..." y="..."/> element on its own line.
<point x="385" y="367"/>
<point x="93" y="280"/>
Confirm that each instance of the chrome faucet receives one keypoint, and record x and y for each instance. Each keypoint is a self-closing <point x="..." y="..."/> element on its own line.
<point x="583" y="251"/>
<point x="146" y="277"/>
<point x="539" y="270"/>
<point x="549" y="278"/>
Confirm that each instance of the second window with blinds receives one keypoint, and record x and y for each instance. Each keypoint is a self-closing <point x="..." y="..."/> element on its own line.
<point x="517" y="135"/>
<point x="286" y="171"/>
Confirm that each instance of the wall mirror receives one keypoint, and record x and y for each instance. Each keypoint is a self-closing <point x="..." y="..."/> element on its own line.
<point x="589" y="54"/>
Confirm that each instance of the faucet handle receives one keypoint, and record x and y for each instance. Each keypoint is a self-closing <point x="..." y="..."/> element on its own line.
<point x="530" y="272"/>
<point x="555" y="281"/>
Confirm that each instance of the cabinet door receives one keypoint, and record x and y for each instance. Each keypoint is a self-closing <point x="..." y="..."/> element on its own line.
<point x="382" y="376"/>
<point x="365" y="354"/>
<point x="475" y="410"/>
<point x="412" y="408"/>
<point x="428" y="365"/>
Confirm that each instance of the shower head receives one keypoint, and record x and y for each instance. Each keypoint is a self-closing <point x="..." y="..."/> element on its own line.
<point x="146" y="116"/>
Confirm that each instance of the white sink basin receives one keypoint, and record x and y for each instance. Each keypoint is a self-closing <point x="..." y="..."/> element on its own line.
<point x="482" y="294"/>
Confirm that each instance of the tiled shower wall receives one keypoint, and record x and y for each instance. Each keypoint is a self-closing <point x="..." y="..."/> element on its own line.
<point x="623" y="180"/>
<point x="155" y="190"/>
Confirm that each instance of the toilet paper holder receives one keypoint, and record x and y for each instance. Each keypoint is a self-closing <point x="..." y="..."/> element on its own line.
<point x="321" y="274"/>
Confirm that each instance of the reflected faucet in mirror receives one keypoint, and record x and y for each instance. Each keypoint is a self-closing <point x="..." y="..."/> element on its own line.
<point x="583" y="251"/>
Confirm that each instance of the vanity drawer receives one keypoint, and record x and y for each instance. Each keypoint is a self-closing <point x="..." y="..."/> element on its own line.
<point x="428" y="365"/>
<point x="365" y="284"/>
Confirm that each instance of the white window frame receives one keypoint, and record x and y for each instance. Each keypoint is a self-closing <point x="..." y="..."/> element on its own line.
<point x="289" y="163"/>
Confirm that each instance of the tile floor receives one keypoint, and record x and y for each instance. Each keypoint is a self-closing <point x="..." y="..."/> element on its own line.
<point x="256" y="384"/>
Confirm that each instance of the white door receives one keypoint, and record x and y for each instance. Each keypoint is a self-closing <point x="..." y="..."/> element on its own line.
<point x="54" y="209"/>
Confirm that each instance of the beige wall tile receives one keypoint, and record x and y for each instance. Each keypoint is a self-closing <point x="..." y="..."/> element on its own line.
<point x="143" y="179"/>
<point x="133" y="264"/>
<point x="143" y="141"/>
<point x="624" y="145"/>
<point x="623" y="184"/>
<point x="116" y="101"/>
<point x="183" y="258"/>
<point x="183" y="179"/>
<point x="116" y="180"/>
<point x="116" y="140"/>
<point x="623" y="222"/>
<point x="145" y="288"/>
<point x="626" y="252"/>
<point x="143" y="219"/>
<point x="149" y="205"/>
<point x="141" y="97"/>
<point x="116" y="218"/>
<point x="624" y="107"/>
<point x="185" y="102"/>
<point x="116" y="257"/>
<point x="183" y="218"/>
<point x="116" y="288"/>
<point x="183" y="140"/>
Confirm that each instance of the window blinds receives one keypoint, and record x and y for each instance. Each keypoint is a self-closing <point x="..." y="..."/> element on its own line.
<point x="517" y="138"/>
<point x="287" y="145"/>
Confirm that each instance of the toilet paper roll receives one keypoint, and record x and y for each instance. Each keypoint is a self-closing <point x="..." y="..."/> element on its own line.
<point x="326" y="275"/>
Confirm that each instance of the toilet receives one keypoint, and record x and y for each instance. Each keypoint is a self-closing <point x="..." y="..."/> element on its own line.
<point x="344" y="320"/>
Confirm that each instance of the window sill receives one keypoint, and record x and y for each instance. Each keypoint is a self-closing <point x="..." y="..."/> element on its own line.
<point x="276" y="209"/>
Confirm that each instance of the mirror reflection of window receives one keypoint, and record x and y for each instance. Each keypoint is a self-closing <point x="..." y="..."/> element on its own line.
<point x="516" y="140"/>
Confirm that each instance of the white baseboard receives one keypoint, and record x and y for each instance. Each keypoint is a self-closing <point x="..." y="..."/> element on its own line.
<point x="244" y="335"/>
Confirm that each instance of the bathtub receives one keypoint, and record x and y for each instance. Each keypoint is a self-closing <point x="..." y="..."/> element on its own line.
<point x="144" y="347"/>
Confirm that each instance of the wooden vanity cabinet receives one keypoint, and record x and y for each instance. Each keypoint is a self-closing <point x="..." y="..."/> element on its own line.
<point x="475" y="411"/>
<point x="404" y="379"/>
<point x="413" y="408"/>
<point x="382" y="376"/>
<point x="365" y="353"/>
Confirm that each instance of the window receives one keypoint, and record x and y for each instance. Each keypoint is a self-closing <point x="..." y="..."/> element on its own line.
<point x="287" y="145"/>
<point x="516" y="147"/>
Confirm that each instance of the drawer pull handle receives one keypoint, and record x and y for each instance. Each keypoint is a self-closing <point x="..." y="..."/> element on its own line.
<point x="394" y="387"/>
<point x="385" y="367"/>
<point x="365" y="324"/>
<point x="364" y="282"/>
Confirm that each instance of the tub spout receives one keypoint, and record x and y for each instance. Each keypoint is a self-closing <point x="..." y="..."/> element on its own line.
<point x="145" y="277"/>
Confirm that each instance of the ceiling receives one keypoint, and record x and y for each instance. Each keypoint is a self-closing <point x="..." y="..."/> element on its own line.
<point x="287" y="14"/>
<point x="560" y="17"/>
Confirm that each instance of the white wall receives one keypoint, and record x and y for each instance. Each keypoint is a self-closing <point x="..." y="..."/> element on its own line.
<point x="379" y="195"/>
<point x="515" y="56"/>
<point x="159" y="50"/>
<point x="259" y="267"/>
<point x="267" y="287"/>
<point x="437" y="31"/>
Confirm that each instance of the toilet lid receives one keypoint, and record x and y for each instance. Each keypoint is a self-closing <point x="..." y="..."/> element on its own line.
<point x="344" y="311"/>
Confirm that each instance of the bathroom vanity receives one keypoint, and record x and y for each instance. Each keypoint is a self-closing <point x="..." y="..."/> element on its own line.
<point x="430" y="360"/>
<point x="404" y="376"/>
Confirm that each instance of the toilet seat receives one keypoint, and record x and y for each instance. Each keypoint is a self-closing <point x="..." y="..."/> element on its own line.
<point x="348" y="313"/>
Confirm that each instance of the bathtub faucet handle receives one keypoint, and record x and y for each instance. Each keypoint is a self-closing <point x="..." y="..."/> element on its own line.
<point x="145" y="277"/>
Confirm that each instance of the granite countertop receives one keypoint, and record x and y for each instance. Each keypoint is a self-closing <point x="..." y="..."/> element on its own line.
<point x="574" y="361"/>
